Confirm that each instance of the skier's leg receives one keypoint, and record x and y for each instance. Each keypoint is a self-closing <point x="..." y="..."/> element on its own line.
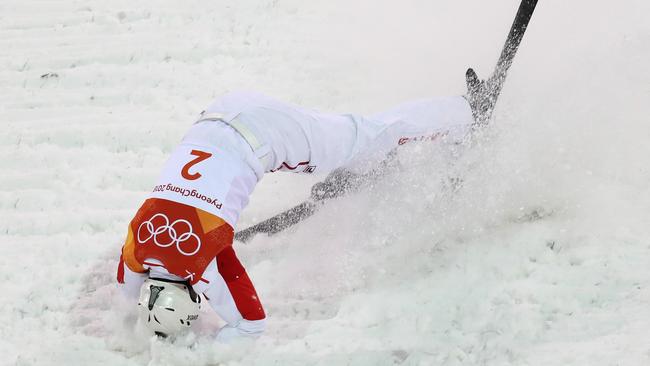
<point x="233" y="297"/>
<point x="451" y="116"/>
<point x="446" y="119"/>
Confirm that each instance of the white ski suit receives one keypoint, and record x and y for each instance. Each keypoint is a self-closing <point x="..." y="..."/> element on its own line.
<point x="243" y="135"/>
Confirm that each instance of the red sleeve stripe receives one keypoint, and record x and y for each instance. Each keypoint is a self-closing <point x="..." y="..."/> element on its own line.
<point x="285" y="165"/>
<point x="120" y="270"/>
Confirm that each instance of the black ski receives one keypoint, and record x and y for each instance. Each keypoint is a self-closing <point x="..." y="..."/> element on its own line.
<point x="482" y="96"/>
<point x="280" y="221"/>
<point x="516" y="34"/>
<point x="338" y="183"/>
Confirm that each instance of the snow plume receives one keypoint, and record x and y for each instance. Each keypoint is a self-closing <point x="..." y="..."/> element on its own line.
<point x="529" y="246"/>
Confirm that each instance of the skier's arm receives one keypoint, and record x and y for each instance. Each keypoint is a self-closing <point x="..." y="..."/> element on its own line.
<point x="236" y="326"/>
<point x="232" y="296"/>
<point x="129" y="282"/>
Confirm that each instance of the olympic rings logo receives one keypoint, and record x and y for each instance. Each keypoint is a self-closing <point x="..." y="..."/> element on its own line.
<point x="172" y="233"/>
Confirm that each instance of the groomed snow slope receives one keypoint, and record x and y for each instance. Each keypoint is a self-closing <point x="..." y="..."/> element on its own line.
<point x="540" y="258"/>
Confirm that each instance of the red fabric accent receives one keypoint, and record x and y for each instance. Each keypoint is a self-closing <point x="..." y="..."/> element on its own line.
<point x="120" y="270"/>
<point x="240" y="285"/>
<point x="153" y="264"/>
<point x="285" y="165"/>
<point x="201" y="155"/>
<point x="190" y="267"/>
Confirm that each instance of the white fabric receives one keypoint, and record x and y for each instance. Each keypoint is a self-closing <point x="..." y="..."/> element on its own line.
<point x="260" y="149"/>
<point x="291" y="138"/>
<point x="302" y="140"/>
<point x="244" y="329"/>
<point x="132" y="283"/>
<point x="226" y="179"/>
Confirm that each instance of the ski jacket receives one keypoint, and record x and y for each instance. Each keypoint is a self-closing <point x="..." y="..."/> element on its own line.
<point x="181" y="238"/>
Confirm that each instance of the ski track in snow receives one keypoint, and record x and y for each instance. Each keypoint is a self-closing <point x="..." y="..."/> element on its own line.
<point x="539" y="258"/>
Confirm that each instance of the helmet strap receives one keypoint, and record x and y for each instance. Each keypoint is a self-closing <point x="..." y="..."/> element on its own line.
<point x="155" y="293"/>
<point x="193" y="295"/>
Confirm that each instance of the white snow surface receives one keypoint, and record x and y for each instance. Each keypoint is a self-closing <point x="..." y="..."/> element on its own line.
<point x="542" y="257"/>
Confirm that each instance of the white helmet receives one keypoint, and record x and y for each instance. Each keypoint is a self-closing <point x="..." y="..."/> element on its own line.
<point x="168" y="307"/>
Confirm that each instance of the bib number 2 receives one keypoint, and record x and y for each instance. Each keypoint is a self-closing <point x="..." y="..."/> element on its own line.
<point x="200" y="156"/>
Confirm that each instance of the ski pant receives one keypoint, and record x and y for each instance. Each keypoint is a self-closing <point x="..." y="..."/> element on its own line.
<point x="286" y="137"/>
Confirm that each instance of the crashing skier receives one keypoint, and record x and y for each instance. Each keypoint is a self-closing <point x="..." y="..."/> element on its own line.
<point x="179" y="244"/>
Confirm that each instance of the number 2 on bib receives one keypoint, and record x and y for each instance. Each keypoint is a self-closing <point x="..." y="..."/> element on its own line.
<point x="200" y="156"/>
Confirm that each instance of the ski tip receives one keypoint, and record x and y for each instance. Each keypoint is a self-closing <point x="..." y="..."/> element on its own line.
<point x="472" y="79"/>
